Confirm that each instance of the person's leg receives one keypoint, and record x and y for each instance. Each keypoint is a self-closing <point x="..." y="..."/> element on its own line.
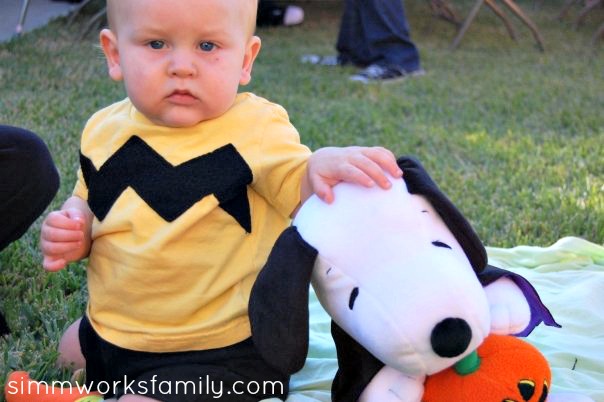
<point x="387" y="37"/>
<point x="28" y="181"/>
<point x="70" y="351"/>
<point x="352" y="44"/>
<point x="75" y="340"/>
<point x="21" y="388"/>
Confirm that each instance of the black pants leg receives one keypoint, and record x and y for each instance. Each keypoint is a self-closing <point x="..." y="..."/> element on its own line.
<point x="376" y="31"/>
<point x="28" y="182"/>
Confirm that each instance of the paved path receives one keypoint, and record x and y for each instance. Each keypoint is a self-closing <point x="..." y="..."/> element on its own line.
<point x="39" y="13"/>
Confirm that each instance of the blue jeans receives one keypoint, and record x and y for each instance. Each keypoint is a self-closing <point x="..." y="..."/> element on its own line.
<point x="376" y="32"/>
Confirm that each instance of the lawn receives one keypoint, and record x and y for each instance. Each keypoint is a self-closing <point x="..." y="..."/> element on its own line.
<point x="513" y="136"/>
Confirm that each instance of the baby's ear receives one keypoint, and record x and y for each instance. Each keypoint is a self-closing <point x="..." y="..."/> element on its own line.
<point x="251" y="52"/>
<point x="278" y="307"/>
<point x="109" y="45"/>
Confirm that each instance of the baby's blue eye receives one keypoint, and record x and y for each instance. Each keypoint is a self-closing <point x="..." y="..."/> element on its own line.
<point x="156" y="44"/>
<point x="206" y="46"/>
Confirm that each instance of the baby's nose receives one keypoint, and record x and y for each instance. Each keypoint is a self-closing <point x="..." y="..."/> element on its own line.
<point x="182" y="65"/>
<point x="451" y="337"/>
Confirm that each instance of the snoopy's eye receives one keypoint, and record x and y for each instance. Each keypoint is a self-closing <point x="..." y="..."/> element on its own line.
<point x="353" y="297"/>
<point x="441" y="244"/>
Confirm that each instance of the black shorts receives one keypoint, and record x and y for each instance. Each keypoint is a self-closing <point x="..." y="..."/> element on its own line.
<point x="233" y="373"/>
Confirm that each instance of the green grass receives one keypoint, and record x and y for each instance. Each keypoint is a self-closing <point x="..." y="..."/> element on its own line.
<point x="513" y="136"/>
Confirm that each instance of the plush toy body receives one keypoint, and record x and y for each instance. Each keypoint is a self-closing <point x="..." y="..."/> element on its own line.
<point x="405" y="280"/>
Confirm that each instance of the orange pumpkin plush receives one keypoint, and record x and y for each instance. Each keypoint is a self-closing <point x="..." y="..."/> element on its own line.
<point x="20" y="388"/>
<point x="504" y="369"/>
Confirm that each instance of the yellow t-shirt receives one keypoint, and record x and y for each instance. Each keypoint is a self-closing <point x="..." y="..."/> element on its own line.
<point x="171" y="275"/>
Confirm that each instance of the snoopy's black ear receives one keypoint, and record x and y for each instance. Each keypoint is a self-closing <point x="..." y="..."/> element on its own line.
<point x="356" y="367"/>
<point x="419" y="182"/>
<point x="278" y="307"/>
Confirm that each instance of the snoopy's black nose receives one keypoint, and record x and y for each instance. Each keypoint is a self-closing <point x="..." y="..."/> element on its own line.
<point x="451" y="337"/>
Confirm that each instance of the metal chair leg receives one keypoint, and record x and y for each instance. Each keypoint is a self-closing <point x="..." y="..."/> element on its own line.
<point x="95" y="20"/>
<point x="591" y="4"/>
<point x="442" y="9"/>
<point x="467" y="23"/>
<point x="22" y="15"/>
<point x="77" y="11"/>
<point x="512" y="6"/>
<point x="499" y="12"/>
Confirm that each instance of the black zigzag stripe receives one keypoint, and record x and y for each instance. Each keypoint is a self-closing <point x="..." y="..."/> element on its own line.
<point x="170" y="190"/>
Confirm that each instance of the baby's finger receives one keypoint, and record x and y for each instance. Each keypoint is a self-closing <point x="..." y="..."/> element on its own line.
<point x="359" y="170"/>
<point x="372" y="172"/>
<point x="55" y="234"/>
<point x="74" y="214"/>
<point x="61" y="220"/>
<point x="385" y="159"/>
<point x="53" y="264"/>
<point x="321" y="188"/>
<point x="61" y="235"/>
<point x="59" y="249"/>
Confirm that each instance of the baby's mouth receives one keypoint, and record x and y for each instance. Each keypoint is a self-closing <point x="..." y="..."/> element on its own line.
<point x="182" y="97"/>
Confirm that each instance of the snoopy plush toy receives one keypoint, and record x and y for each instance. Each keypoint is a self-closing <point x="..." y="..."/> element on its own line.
<point x="405" y="280"/>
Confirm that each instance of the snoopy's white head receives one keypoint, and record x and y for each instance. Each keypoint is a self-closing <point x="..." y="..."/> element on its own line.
<point x="400" y="273"/>
<point x="392" y="275"/>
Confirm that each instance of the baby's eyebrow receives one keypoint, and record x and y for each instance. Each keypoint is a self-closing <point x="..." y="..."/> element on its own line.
<point x="441" y="244"/>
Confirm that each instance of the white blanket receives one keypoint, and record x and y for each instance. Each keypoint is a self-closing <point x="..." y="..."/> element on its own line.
<point x="569" y="277"/>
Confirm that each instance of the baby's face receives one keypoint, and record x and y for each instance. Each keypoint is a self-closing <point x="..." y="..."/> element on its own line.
<point x="181" y="61"/>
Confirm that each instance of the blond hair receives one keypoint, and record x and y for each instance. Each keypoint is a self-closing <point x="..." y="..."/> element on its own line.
<point x="112" y="13"/>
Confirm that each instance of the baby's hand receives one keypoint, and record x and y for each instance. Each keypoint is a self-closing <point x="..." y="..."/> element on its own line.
<point x="63" y="238"/>
<point x="365" y="166"/>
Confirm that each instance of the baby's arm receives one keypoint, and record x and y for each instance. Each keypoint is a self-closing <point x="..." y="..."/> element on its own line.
<point x="329" y="166"/>
<point x="66" y="234"/>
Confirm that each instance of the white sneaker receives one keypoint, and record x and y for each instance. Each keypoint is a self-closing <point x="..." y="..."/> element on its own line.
<point x="380" y="73"/>
<point x="294" y="15"/>
<point x="329" y="60"/>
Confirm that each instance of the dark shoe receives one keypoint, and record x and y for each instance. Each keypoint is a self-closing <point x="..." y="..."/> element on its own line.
<point x="379" y="73"/>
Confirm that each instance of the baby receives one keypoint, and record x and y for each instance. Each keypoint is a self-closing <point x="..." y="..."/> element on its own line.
<point x="184" y="186"/>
